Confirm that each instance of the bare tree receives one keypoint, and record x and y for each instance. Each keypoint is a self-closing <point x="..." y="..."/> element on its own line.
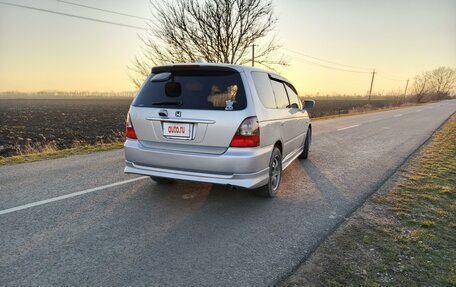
<point x="434" y="85"/>
<point x="442" y="82"/>
<point x="421" y="87"/>
<point x="218" y="31"/>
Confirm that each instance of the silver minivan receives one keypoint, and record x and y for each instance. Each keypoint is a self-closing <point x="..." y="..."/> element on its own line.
<point x="216" y="123"/>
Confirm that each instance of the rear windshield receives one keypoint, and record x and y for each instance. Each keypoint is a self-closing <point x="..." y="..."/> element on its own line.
<point x="200" y="90"/>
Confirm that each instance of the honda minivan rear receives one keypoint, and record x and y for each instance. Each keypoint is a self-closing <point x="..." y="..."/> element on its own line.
<point x="199" y="123"/>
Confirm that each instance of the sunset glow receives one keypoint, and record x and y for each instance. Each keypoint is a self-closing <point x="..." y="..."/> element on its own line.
<point x="399" y="39"/>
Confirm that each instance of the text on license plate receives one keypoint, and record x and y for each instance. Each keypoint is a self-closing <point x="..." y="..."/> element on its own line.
<point x="177" y="130"/>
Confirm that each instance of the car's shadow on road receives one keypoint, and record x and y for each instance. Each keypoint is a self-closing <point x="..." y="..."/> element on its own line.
<point x="195" y="220"/>
<point x="322" y="183"/>
<point x="299" y="181"/>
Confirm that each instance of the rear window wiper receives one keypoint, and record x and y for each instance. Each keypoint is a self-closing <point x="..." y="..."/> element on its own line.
<point x="167" y="103"/>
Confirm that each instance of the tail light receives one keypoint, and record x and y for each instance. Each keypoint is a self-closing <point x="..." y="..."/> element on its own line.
<point x="248" y="134"/>
<point x="130" y="132"/>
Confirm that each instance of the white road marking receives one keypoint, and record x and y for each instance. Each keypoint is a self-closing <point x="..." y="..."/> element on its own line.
<point x="399" y="115"/>
<point x="41" y="202"/>
<point x="346" y="128"/>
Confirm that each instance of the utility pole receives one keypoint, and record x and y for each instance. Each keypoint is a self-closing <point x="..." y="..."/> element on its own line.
<point x="406" y="86"/>
<point x="253" y="55"/>
<point x="372" y="83"/>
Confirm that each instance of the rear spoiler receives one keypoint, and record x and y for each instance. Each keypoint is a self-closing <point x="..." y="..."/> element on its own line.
<point x="171" y="68"/>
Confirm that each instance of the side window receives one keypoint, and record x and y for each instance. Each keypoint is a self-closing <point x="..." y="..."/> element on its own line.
<point x="293" y="96"/>
<point x="280" y="94"/>
<point x="264" y="89"/>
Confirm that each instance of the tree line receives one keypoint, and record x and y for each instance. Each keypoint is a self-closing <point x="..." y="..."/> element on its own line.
<point x="437" y="84"/>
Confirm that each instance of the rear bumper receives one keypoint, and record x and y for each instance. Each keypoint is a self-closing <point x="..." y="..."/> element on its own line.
<point x="244" y="167"/>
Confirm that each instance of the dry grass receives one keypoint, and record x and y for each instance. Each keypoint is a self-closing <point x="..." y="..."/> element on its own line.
<point x="29" y="149"/>
<point x="404" y="236"/>
<point x="51" y="152"/>
<point x="367" y="109"/>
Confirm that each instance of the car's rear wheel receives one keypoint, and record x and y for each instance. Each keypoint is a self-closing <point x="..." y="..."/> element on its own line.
<point x="162" y="180"/>
<point x="275" y="175"/>
<point x="305" y="150"/>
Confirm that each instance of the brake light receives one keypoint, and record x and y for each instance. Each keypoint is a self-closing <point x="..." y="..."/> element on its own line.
<point x="176" y="67"/>
<point x="130" y="131"/>
<point x="248" y="134"/>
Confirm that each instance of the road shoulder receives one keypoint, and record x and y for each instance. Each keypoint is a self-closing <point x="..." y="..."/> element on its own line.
<point x="53" y="154"/>
<point x="403" y="235"/>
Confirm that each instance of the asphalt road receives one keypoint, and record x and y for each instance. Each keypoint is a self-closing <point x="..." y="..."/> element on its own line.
<point x="190" y="234"/>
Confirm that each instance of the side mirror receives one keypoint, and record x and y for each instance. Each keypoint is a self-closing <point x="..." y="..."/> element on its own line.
<point x="310" y="104"/>
<point x="293" y="106"/>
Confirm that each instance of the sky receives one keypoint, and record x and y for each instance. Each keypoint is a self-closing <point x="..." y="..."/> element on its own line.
<point x="397" y="38"/>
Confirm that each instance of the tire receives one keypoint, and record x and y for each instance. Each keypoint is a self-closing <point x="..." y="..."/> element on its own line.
<point x="275" y="175"/>
<point x="162" y="180"/>
<point x="305" y="150"/>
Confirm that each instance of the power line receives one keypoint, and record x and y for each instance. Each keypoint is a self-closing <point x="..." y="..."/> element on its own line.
<point x="330" y="67"/>
<point x="345" y="70"/>
<point x="103" y="10"/>
<point x="393" y="78"/>
<point x="73" y="16"/>
<point x="323" y="60"/>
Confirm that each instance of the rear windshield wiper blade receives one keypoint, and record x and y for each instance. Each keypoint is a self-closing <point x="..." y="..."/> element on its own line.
<point x="167" y="103"/>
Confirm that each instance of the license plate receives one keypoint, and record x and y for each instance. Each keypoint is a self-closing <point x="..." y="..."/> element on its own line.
<point x="178" y="130"/>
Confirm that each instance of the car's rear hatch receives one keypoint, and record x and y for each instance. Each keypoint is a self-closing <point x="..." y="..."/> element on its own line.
<point x="189" y="108"/>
